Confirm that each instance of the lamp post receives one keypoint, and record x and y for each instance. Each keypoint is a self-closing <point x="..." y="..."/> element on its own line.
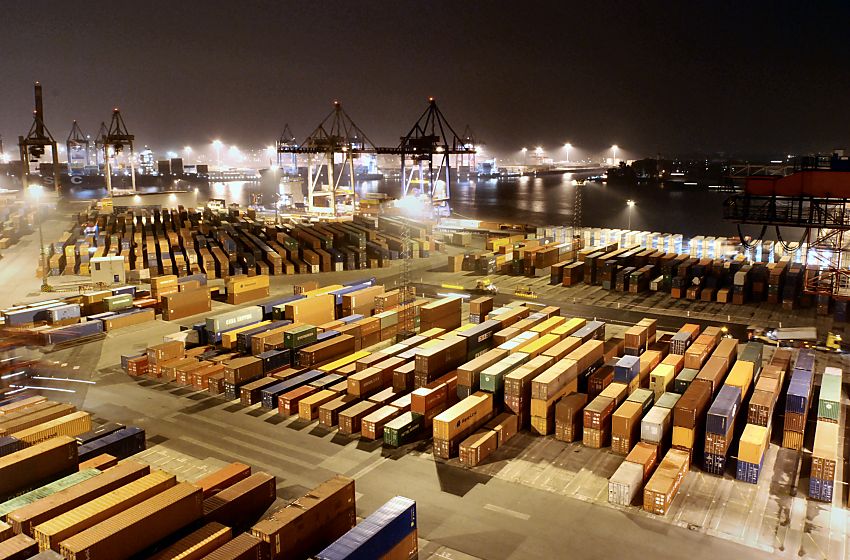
<point x="631" y="204"/>
<point x="567" y="148"/>
<point x="524" y="154"/>
<point x="36" y="191"/>
<point x="614" y="149"/>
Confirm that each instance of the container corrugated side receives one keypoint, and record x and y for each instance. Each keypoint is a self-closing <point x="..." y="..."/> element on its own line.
<point x="56" y="530"/>
<point x="36" y="463"/>
<point x="197" y="544"/>
<point x="23" y="500"/>
<point x="134" y="529"/>
<point x="71" y="425"/>
<point x="26" y="518"/>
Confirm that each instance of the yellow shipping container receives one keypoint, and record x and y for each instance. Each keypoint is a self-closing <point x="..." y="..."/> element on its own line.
<point x="342" y="362"/>
<point x="660" y="378"/>
<point x="72" y="425"/>
<point x="741" y="376"/>
<point x="754" y="441"/>
<point x="548" y="325"/>
<point x="322" y="291"/>
<point x="50" y="533"/>
<point x="616" y="391"/>
<point x="683" y="437"/>
<point x="228" y="338"/>
<point x="537" y="347"/>
<point x="460" y="416"/>
<point x="569" y="327"/>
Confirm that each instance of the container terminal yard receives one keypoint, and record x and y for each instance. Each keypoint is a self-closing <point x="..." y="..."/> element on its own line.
<point x="341" y="347"/>
<point x="517" y="389"/>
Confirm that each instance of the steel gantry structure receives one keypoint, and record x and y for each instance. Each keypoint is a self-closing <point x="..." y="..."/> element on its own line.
<point x="35" y="143"/>
<point x="287" y="159"/>
<point x="78" y="148"/>
<point x="331" y="150"/>
<point x="812" y="195"/>
<point x="425" y="155"/>
<point x="113" y="142"/>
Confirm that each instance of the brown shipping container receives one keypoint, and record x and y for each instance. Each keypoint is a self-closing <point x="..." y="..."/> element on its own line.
<point x="478" y="447"/>
<point x="242" y="547"/>
<point x="372" y="426"/>
<point x="468" y="374"/>
<point x="518" y="383"/>
<point x="563" y="348"/>
<point x="713" y="373"/>
<point x="101" y="462"/>
<point x="197" y="544"/>
<point x="240" y="370"/>
<point x="135" y="529"/>
<point x="598" y="412"/>
<point x="52" y="532"/>
<point x="696" y="355"/>
<point x="645" y="455"/>
<point x="325" y="351"/>
<point x="243" y="502"/>
<point x="329" y="411"/>
<point x="350" y="419"/>
<point x="23" y="520"/>
<point x="223" y="478"/>
<point x="52" y="458"/>
<point x="310" y="523"/>
<point x="505" y="425"/>
<point x="308" y="407"/>
<point x="287" y="403"/>
<point x="689" y="411"/>
<point x="18" y="547"/>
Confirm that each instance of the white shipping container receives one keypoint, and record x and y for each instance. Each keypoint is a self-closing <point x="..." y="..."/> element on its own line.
<point x="625" y="483"/>
<point x="656" y="425"/>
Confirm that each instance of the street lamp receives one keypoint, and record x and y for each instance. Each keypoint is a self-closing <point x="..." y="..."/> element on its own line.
<point x="217" y="146"/>
<point x="538" y="151"/>
<point x="614" y="149"/>
<point x="567" y="148"/>
<point x="524" y="153"/>
<point x="188" y="151"/>
<point x="36" y="191"/>
<point x="631" y="204"/>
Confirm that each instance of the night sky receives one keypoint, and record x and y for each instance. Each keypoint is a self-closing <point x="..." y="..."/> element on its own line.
<point x="671" y="77"/>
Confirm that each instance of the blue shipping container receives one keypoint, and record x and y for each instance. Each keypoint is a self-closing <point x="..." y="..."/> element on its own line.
<point x="820" y="489"/>
<point x="799" y="390"/>
<point x="351" y="318"/>
<point x="271" y="393"/>
<point x="626" y="369"/>
<point x="748" y="472"/>
<point x="805" y="360"/>
<point x="715" y="464"/>
<point x="129" y="290"/>
<point x="275" y="359"/>
<point x="268" y="307"/>
<point x="724" y="409"/>
<point x="376" y="535"/>
<point x="9" y="444"/>
<point x="73" y="332"/>
<point x="121" y="444"/>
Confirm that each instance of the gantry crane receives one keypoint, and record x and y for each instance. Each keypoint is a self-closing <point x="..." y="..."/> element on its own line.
<point x="117" y="136"/>
<point x="38" y="139"/>
<point x="287" y="159"/>
<point x="337" y="140"/>
<point x="77" y="144"/>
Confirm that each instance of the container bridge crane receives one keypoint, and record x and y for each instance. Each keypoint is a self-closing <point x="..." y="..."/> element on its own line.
<point x="117" y="137"/>
<point x="287" y="159"/>
<point x="78" y="147"/>
<point x="331" y="150"/>
<point x="812" y="195"/>
<point x="34" y="145"/>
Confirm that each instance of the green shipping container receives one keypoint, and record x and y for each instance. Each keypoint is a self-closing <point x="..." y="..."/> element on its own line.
<point x="301" y="336"/>
<point x="644" y="397"/>
<point x="119" y="302"/>
<point x="683" y="380"/>
<point x="829" y="402"/>
<point x="9" y="506"/>
<point x="403" y="429"/>
<point x="668" y="400"/>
